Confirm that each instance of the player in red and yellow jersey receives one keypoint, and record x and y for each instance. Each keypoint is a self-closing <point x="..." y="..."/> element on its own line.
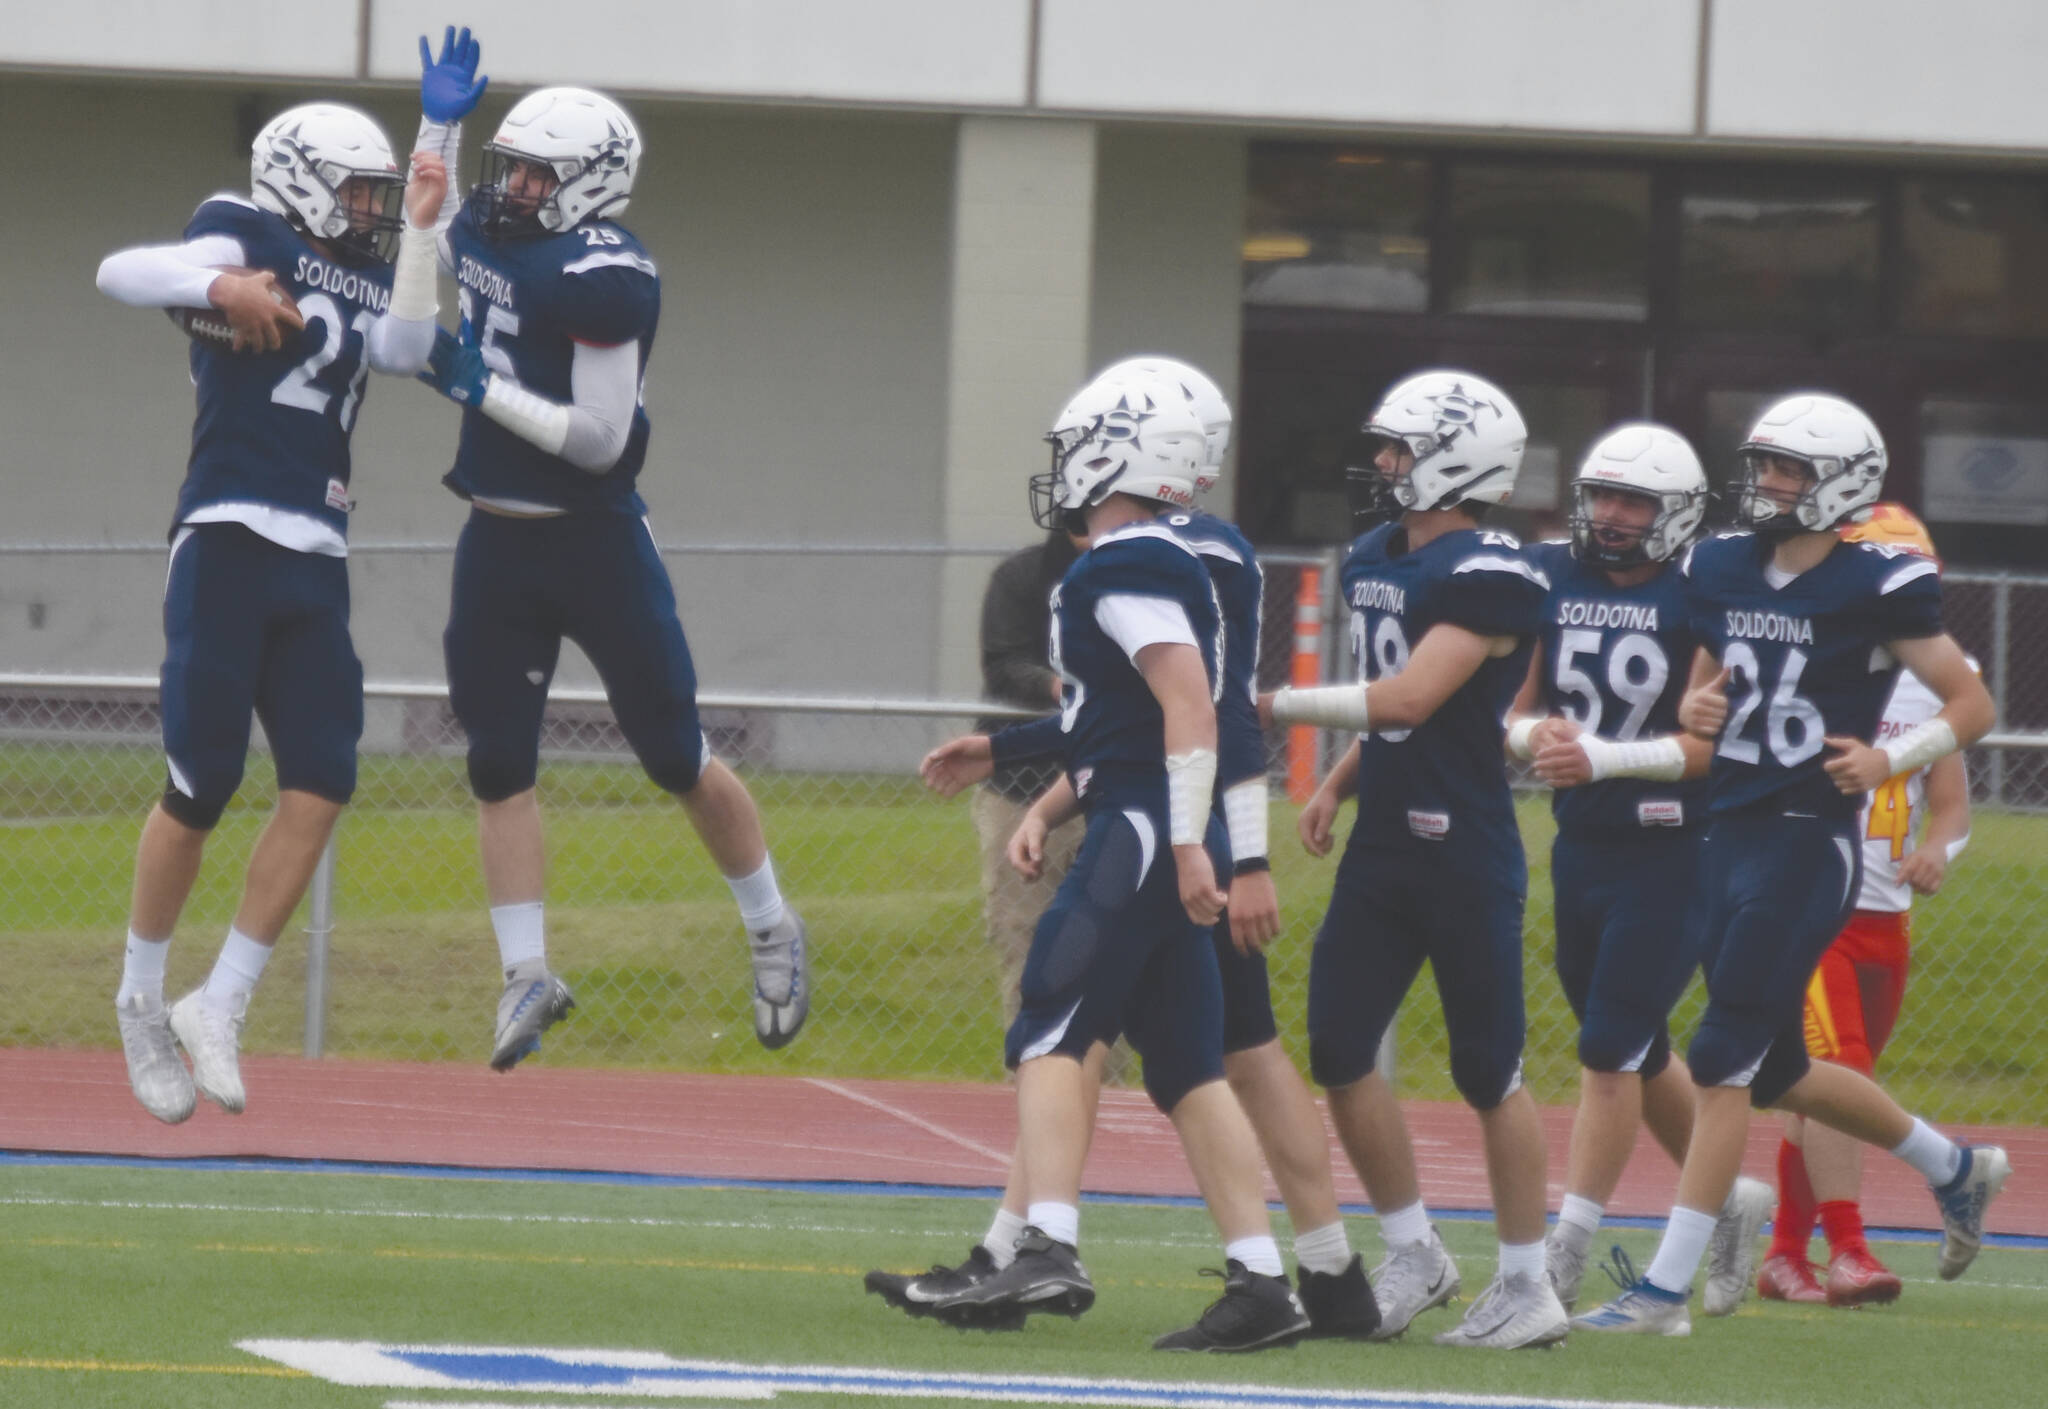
<point x="1853" y="998"/>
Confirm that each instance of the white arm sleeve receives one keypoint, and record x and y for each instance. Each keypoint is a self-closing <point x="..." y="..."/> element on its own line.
<point x="400" y="346"/>
<point x="445" y="141"/>
<point x="591" y="433"/>
<point x="1135" y="622"/>
<point x="168" y="276"/>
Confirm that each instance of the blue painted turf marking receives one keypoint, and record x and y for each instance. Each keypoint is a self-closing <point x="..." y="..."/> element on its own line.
<point x="652" y="1375"/>
<point x="34" y="1159"/>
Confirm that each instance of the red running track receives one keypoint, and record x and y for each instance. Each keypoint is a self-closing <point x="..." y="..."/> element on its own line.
<point x="786" y="1128"/>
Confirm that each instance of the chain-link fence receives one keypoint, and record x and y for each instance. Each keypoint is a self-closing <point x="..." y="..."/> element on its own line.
<point x="887" y="876"/>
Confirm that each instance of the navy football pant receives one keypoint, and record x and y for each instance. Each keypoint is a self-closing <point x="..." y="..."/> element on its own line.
<point x="521" y="586"/>
<point x="254" y="628"/>
<point x="1115" y="952"/>
<point x="1390" y="909"/>
<point x="1628" y="940"/>
<point x="1776" y="890"/>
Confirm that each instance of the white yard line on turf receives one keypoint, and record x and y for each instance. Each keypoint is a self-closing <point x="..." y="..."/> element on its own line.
<point x="999" y="1158"/>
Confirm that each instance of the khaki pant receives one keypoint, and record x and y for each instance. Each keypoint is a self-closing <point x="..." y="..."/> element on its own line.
<point x="1010" y="903"/>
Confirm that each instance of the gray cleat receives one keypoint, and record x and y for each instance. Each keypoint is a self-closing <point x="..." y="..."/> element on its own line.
<point x="1411" y="1279"/>
<point x="782" y="979"/>
<point x="1565" y="1265"/>
<point x="534" y="1000"/>
<point x="212" y="1037"/>
<point x="1963" y="1201"/>
<point x="1731" y="1255"/>
<point x="1518" y="1312"/>
<point x="155" y="1074"/>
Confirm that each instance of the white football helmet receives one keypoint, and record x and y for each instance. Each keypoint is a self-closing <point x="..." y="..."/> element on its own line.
<point x="1831" y="437"/>
<point x="1203" y="396"/>
<point x="1118" y="440"/>
<point x="303" y="157"/>
<point x="1656" y="463"/>
<point x="1466" y="437"/>
<point x="585" y="138"/>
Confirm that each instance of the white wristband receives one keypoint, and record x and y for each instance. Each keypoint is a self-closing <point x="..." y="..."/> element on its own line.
<point x="1190" y="795"/>
<point x="1518" y="738"/>
<point x="531" y="418"/>
<point x="1662" y="759"/>
<point x="413" y="295"/>
<point x="1332" y="706"/>
<point x="1916" y="748"/>
<point x="1244" y="813"/>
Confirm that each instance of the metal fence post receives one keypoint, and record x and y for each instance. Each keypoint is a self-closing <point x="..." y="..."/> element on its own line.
<point x="2001" y="661"/>
<point x="319" y="925"/>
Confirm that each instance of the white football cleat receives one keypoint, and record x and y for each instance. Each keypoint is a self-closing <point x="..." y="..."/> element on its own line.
<point x="1411" y="1279"/>
<point x="1963" y="1201"/>
<point x="212" y="1037"/>
<point x="533" y="1001"/>
<point x="1731" y="1255"/>
<point x="782" y="979"/>
<point x="1517" y="1312"/>
<point x="155" y="1074"/>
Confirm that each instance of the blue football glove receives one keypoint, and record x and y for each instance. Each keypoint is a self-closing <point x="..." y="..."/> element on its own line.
<point x="450" y="89"/>
<point x="456" y="370"/>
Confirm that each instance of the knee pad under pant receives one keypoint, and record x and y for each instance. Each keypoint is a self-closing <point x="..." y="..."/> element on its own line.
<point x="1612" y="1043"/>
<point x="201" y="815"/>
<point x="501" y="770"/>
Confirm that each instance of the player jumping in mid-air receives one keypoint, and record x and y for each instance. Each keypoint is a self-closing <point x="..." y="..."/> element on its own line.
<point x="1599" y="721"/>
<point x="559" y="306"/>
<point x="1442" y="616"/>
<point x="1802" y="636"/>
<point x="256" y="598"/>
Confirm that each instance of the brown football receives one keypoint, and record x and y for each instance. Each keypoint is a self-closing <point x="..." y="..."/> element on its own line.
<point x="210" y="325"/>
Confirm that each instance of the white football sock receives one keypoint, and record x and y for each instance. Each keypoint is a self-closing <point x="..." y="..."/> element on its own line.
<point x="1405" y="1225"/>
<point x="1932" y="1153"/>
<point x="1326" y="1249"/>
<point x="1060" y="1222"/>
<point x="1260" y="1255"/>
<point x="1001" y="1238"/>
<point x="142" y="967"/>
<point x="235" y="972"/>
<point x="759" y="898"/>
<point x="1577" y="1221"/>
<point x="521" y="931"/>
<point x="1678" y="1257"/>
<point x="1525" y="1258"/>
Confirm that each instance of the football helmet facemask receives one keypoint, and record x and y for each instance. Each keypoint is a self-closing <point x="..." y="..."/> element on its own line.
<point x="585" y="139"/>
<point x="1465" y="437"/>
<point x="1835" y="441"/>
<point x="1202" y="395"/>
<point x="1654" y="463"/>
<point x="1118" y="440"/>
<point x="300" y="167"/>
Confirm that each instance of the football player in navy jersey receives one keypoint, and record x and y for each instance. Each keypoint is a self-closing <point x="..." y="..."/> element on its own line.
<point x="559" y="307"/>
<point x="256" y="598"/>
<point x="1124" y="945"/>
<point x="1332" y="1280"/>
<point x="1442" y="616"/>
<point x="1598" y="717"/>
<point x="1801" y="637"/>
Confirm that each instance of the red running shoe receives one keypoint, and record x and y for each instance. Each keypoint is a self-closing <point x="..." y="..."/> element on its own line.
<point x="1787" y="1278"/>
<point x="1855" y="1278"/>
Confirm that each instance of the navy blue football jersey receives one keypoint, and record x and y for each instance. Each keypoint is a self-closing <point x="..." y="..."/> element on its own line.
<point x="527" y="303"/>
<point x="1615" y="662"/>
<point x="1805" y="660"/>
<point x="1444" y="781"/>
<point x="273" y="428"/>
<point x="1115" y="731"/>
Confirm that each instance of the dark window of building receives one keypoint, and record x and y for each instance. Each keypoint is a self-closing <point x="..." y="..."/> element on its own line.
<point x="1777" y="253"/>
<point x="1548" y="241"/>
<point x="1337" y="227"/>
<point x="1976" y="256"/>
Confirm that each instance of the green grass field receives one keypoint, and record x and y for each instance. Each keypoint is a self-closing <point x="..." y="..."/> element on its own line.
<point x="131" y="1288"/>
<point x="887" y="877"/>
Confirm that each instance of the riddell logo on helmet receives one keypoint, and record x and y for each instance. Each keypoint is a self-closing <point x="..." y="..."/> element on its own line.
<point x="1170" y="495"/>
